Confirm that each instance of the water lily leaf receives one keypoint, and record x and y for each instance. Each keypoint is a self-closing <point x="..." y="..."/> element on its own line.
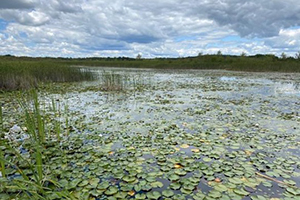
<point x="83" y="183"/>
<point x="293" y="191"/>
<point x="153" y="195"/>
<point x="174" y="177"/>
<point x="235" y="180"/>
<point x="151" y="179"/>
<point x="241" y="192"/>
<point x="129" y="179"/>
<point x="140" y="196"/>
<point x="220" y="187"/>
<point x="177" y="166"/>
<point x="185" y="191"/>
<point x="267" y="184"/>
<point x="195" y="150"/>
<point x="157" y="184"/>
<point x="120" y="195"/>
<point x="73" y="183"/>
<point x="180" y="172"/>
<point x="168" y="193"/>
<point x="104" y="185"/>
<point x="111" y="190"/>
<point x="131" y="193"/>
<point x="179" y="197"/>
<point x="206" y="159"/>
<point x="184" y="146"/>
<point x="94" y="182"/>
<point x="175" y="186"/>
<point x="215" y="194"/>
<point x="146" y="188"/>
<point x="258" y="197"/>
<point x="290" y="182"/>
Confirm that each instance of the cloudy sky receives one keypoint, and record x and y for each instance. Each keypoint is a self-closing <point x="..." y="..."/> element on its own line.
<point x="153" y="28"/>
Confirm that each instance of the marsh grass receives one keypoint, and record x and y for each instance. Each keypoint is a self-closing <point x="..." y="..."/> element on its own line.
<point x="2" y="163"/>
<point x="16" y="75"/>
<point x="34" y="185"/>
<point x="111" y="81"/>
<point x="122" y="82"/>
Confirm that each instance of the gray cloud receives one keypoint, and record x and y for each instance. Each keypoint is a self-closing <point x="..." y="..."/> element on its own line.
<point x="254" y="18"/>
<point x="17" y="4"/>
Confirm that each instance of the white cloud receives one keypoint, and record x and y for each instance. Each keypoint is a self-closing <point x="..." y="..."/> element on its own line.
<point x="153" y="28"/>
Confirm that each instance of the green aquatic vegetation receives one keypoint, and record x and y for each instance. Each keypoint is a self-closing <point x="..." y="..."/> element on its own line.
<point x="131" y="145"/>
<point x="18" y="75"/>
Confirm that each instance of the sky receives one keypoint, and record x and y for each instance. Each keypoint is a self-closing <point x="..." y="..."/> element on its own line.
<point x="151" y="28"/>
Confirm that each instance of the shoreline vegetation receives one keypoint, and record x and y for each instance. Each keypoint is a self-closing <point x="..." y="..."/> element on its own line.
<point x="26" y="72"/>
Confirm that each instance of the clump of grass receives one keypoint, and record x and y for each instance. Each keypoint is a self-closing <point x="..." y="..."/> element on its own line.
<point x="34" y="178"/>
<point x="111" y="81"/>
<point x="2" y="163"/>
<point x="16" y="75"/>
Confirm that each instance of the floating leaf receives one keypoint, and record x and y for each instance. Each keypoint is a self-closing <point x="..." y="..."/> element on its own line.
<point x="174" y="177"/>
<point x="157" y="184"/>
<point x="83" y="183"/>
<point x="168" y="193"/>
<point x="104" y="185"/>
<point x="111" y="190"/>
<point x="184" y="146"/>
<point x="131" y="193"/>
<point x="140" y="196"/>
<point x="177" y="166"/>
<point x="129" y="179"/>
<point x="195" y="150"/>
<point x="241" y="192"/>
<point x="220" y="187"/>
<point x="153" y="195"/>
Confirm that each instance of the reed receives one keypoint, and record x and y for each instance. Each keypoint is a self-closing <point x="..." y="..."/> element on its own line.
<point x="2" y="161"/>
<point x="20" y="75"/>
<point x="33" y="185"/>
<point x="111" y="81"/>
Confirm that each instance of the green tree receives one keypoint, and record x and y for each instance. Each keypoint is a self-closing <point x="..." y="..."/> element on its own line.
<point x="243" y="54"/>
<point x="139" y="56"/>
<point x="283" y="56"/>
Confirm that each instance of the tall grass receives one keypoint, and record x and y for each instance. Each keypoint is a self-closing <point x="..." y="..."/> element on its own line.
<point x="111" y="81"/>
<point x="15" y="74"/>
<point x="34" y="186"/>
<point x="2" y="163"/>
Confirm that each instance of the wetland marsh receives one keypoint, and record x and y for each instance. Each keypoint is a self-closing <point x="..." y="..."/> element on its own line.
<point x="158" y="134"/>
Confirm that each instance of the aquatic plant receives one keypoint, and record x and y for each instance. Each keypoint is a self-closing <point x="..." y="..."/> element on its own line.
<point x="111" y="81"/>
<point x="15" y="75"/>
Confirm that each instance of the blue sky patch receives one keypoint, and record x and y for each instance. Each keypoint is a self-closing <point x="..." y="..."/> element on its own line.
<point x="3" y="24"/>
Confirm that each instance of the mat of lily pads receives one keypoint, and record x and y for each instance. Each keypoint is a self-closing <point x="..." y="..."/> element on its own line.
<point x="179" y="135"/>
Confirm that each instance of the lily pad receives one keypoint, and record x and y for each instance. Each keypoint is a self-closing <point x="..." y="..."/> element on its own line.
<point x="168" y="193"/>
<point x="153" y="195"/>
<point x="111" y="190"/>
<point x="157" y="184"/>
<point x="241" y="192"/>
<point x="140" y="196"/>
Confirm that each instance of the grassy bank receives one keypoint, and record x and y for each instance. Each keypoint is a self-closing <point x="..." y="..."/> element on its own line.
<point x="24" y="74"/>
